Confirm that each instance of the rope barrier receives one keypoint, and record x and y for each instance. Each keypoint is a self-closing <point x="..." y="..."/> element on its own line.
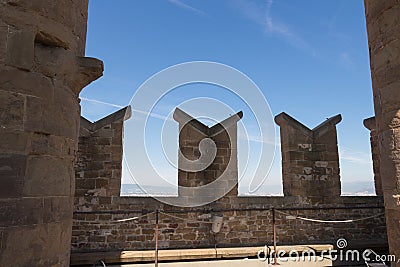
<point x="326" y="221"/>
<point x="278" y="211"/>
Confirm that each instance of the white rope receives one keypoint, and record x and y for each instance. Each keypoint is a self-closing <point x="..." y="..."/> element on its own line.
<point x="334" y="221"/>
<point x="278" y="211"/>
<point x="135" y="218"/>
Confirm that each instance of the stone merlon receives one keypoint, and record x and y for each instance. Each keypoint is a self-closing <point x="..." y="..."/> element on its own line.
<point x="88" y="127"/>
<point x="284" y="118"/>
<point x="183" y="118"/>
<point x="310" y="157"/>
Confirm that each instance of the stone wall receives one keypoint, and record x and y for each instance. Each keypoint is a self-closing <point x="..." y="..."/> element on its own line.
<point x="247" y="221"/>
<point x="99" y="230"/>
<point x="42" y="71"/>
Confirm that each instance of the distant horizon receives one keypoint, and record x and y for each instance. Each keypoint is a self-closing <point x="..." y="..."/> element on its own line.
<point x="355" y="188"/>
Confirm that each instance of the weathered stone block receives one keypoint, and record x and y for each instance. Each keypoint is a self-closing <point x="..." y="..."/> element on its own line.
<point x="13" y="141"/>
<point x="17" y="211"/>
<point x="57" y="209"/>
<point x="102" y="183"/>
<point x="13" y="80"/>
<point x="11" y="110"/>
<point x="34" y="118"/>
<point x="45" y="144"/>
<point x="60" y="120"/>
<point x="12" y="168"/>
<point x="48" y="176"/>
<point x="30" y="249"/>
<point x="20" y="48"/>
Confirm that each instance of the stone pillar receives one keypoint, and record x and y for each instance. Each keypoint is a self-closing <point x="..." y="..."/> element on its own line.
<point x="370" y="124"/>
<point x="42" y="71"/>
<point x="310" y="158"/>
<point x="383" y="27"/>
<point x="200" y="162"/>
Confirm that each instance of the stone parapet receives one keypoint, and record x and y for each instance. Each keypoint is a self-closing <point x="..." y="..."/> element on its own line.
<point x="247" y="221"/>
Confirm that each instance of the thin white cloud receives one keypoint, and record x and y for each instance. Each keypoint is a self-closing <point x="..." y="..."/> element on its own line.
<point x="257" y="139"/>
<point x="150" y="114"/>
<point x="186" y="6"/>
<point x="101" y="102"/>
<point x="153" y="115"/>
<point x="261" y="14"/>
<point x="273" y="27"/>
<point x="350" y="155"/>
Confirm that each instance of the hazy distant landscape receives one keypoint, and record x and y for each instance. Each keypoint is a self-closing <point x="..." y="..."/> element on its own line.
<point x="135" y="190"/>
<point x="348" y="189"/>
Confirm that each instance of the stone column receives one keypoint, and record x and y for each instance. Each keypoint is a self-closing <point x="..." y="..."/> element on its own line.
<point x="42" y="71"/>
<point x="310" y="158"/>
<point x="370" y="124"/>
<point x="383" y="26"/>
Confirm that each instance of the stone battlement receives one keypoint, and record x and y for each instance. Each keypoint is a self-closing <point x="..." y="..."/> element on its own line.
<point x="310" y="177"/>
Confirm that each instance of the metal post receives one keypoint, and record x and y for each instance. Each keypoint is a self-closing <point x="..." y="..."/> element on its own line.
<point x="156" y="237"/>
<point x="274" y="229"/>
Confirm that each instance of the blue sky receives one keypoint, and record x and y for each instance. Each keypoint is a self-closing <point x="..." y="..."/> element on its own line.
<point x="309" y="58"/>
